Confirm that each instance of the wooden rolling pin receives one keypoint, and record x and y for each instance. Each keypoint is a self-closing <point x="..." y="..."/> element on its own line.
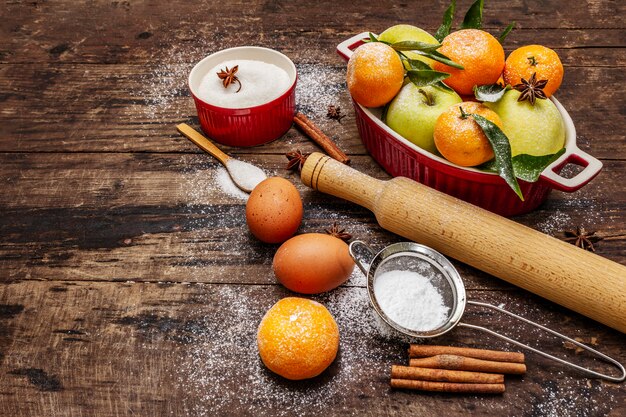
<point x="567" y="275"/>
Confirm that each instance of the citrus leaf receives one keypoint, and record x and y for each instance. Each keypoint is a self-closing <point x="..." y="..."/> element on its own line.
<point x="474" y="16"/>
<point x="442" y="86"/>
<point x="420" y="65"/>
<point x="373" y="38"/>
<point x="438" y="56"/>
<point x="490" y="92"/>
<point x="446" y="24"/>
<point x="417" y="64"/>
<point x="423" y="78"/>
<point x="415" y="46"/>
<point x="527" y="167"/>
<point x="506" y="32"/>
<point x="502" y="151"/>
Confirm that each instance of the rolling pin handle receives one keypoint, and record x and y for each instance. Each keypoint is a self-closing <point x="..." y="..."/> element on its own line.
<point x="357" y="250"/>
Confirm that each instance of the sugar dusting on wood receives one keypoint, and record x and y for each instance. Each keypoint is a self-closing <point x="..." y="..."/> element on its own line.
<point x="216" y="385"/>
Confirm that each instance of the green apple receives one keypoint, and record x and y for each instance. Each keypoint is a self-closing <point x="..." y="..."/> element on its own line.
<point x="399" y="33"/>
<point x="533" y="130"/>
<point x="414" y="112"/>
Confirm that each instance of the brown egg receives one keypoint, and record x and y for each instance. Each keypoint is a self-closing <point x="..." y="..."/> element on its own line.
<point x="274" y="210"/>
<point x="313" y="263"/>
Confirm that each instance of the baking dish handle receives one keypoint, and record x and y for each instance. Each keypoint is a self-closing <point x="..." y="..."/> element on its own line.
<point x="345" y="48"/>
<point x="591" y="168"/>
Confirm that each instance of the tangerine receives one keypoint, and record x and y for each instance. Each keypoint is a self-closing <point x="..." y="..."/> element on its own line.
<point x="298" y="338"/>
<point x="527" y="60"/>
<point x="480" y="54"/>
<point x="375" y="74"/>
<point x="459" y="138"/>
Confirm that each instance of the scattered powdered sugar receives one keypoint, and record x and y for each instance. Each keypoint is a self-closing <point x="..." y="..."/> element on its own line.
<point x="554" y="223"/>
<point x="222" y="371"/>
<point x="318" y="87"/>
<point x="246" y="175"/>
<point x="410" y="300"/>
<point x="260" y="81"/>
<point x="226" y="184"/>
<point x="165" y="88"/>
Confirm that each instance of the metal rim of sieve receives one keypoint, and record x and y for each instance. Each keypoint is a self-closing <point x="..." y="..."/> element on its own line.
<point x="436" y="260"/>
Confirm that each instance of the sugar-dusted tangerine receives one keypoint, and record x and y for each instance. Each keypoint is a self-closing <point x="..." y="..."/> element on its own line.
<point x="298" y="338"/>
<point x="375" y="74"/>
<point x="480" y="54"/>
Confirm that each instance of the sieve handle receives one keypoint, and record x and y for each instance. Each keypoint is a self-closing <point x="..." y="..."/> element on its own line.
<point x="547" y="355"/>
<point x="356" y="249"/>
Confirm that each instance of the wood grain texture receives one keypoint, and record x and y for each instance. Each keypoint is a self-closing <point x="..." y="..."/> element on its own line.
<point x="134" y="108"/>
<point x="129" y="283"/>
<point x="155" y="349"/>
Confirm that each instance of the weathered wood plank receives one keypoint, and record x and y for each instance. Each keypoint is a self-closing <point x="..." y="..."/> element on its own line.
<point x="122" y="108"/>
<point x="123" y="32"/>
<point x="149" y="349"/>
<point x="577" y="47"/>
<point x="163" y="217"/>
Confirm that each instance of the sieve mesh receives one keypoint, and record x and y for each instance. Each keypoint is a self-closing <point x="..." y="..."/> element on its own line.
<point x="425" y="267"/>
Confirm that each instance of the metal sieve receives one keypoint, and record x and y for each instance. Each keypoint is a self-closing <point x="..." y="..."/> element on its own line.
<point x="409" y="256"/>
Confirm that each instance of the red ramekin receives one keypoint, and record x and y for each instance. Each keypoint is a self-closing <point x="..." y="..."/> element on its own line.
<point x="400" y="157"/>
<point x="248" y="126"/>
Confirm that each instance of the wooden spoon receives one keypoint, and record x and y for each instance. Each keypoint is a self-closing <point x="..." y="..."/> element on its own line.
<point x="245" y="176"/>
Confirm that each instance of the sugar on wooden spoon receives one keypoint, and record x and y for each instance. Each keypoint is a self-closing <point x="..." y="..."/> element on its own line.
<point x="246" y="176"/>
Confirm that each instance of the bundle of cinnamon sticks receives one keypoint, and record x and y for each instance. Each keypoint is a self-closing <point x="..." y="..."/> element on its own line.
<point x="456" y="369"/>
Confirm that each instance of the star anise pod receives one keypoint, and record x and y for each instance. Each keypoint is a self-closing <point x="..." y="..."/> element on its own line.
<point x="228" y="77"/>
<point x="532" y="89"/>
<point x="296" y="160"/>
<point x="339" y="233"/>
<point x="334" y="112"/>
<point x="582" y="238"/>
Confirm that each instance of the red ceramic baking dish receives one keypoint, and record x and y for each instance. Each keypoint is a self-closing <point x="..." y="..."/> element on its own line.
<point x="399" y="157"/>
<point x="249" y="126"/>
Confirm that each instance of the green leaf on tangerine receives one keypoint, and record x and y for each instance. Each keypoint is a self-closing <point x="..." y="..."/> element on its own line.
<point x="502" y="151"/>
<point x="420" y="65"/>
<point x="423" y="78"/>
<point x="415" y="46"/>
<point x="373" y="38"/>
<point x="417" y="64"/>
<point x="474" y="16"/>
<point x="446" y="24"/>
<point x="490" y="92"/>
<point x="527" y="167"/>
<point x="506" y="32"/>
<point x="438" y="56"/>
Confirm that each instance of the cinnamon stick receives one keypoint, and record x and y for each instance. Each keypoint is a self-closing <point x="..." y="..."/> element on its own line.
<point x="447" y="386"/>
<point x="461" y="363"/>
<point x="422" y="351"/>
<point x="444" y="375"/>
<point x="317" y="136"/>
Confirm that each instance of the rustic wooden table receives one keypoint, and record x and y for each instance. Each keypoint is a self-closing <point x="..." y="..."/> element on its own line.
<point x="130" y="283"/>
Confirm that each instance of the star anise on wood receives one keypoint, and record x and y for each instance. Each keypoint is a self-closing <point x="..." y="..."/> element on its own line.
<point x="334" y="112"/>
<point x="228" y="77"/>
<point x="582" y="238"/>
<point x="339" y="233"/>
<point x="532" y="89"/>
<point x="296" y="160"/>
